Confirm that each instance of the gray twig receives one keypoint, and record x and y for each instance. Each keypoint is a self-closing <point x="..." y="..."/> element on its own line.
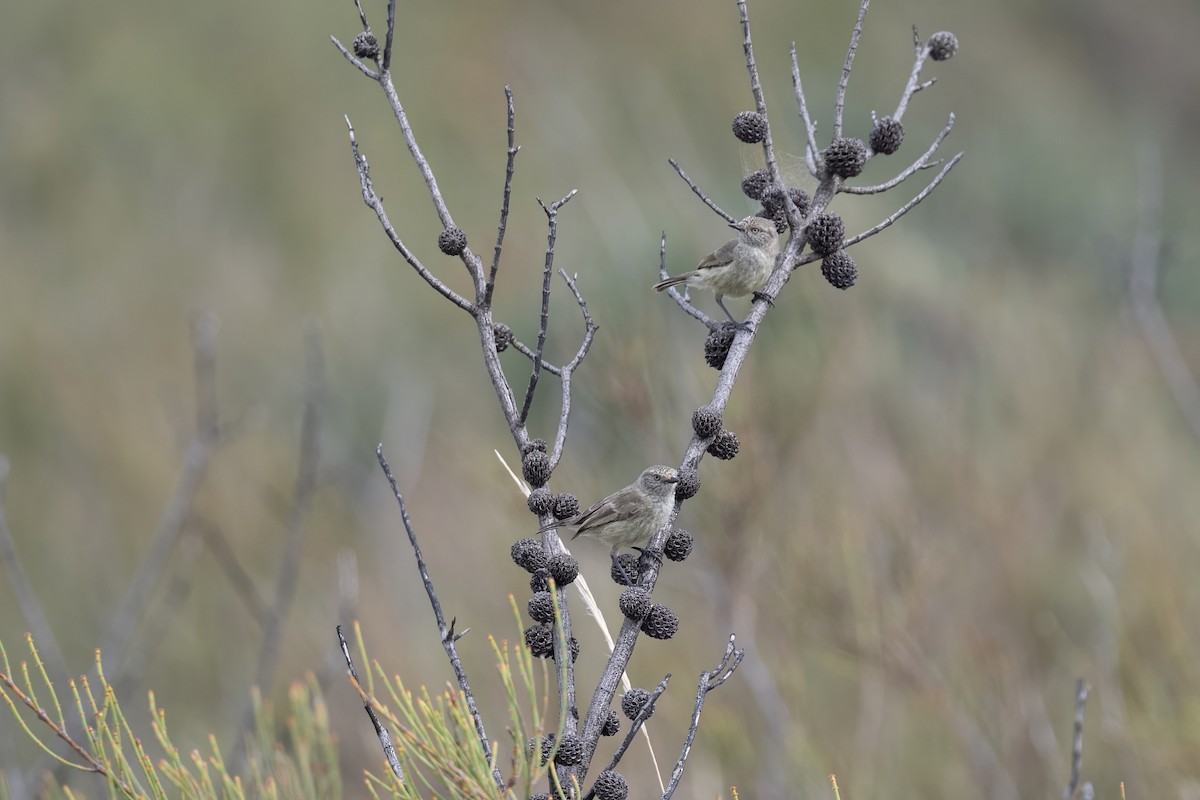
<point x="676" y="295"/>
<point x="1081" y="696"/>
<point x="547" y="274"/>
<point x="914" y="84"/>
<point x="921" y="163"/>
<point x="708" y="201"/>
<point x="811" y="148"/>
<point x="589" y="333"/>
<point x="375" y="203"/>
<point x="760" y="103"/>
<point x="445" y="632"/>
<point x="509" y="167"/>
<point x="708" y="681"/>
<point x="385" y="738"/>
<point x="635" y="725"/>
<point x="844" y="80"/>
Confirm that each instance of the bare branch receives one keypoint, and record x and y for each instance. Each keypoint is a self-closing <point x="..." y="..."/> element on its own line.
<point x="760" y="103"/>
<point x="353" y="59"/>
<point x="634" y="726"/>
<point x="708" y="681"/>
<point x="391" y="37"/>
<point x="508" y="177"/>
<point x="243" y="586"/>
<point x="700" y="192"/>
<point x="1081" y="696"/>
<point x="909" y="206"/>
<point x="564" y="414"/>
<point x="677" y="295"/>
<point x="385" y="738"/>
<point x="375" y="203"/>
<point x="844" y="80"/>
<point x="913" y="86"/>
<point x="811" y="148"/>
<point x="446" y="633"/>
<point x="547" y="274"/>
<point x="920" y="164"/>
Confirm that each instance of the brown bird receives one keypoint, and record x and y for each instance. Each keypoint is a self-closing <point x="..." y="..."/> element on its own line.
<point x="737" y="268"/>
<point x="631" y="516"/>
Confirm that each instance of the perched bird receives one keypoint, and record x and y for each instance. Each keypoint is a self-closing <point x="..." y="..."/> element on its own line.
<point x="739" y="267"/>
<point x="631" y="516"/>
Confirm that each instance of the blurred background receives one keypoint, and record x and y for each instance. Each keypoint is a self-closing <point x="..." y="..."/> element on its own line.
<point x="962" y="484"/>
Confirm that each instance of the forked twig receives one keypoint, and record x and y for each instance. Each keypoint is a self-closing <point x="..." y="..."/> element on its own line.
<point x="708" y="681"/>
<point x="446" y="632"/>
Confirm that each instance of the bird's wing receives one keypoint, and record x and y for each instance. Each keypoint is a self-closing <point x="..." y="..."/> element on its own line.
<point x="721" y="257"/>
<point x="596" y="516"/>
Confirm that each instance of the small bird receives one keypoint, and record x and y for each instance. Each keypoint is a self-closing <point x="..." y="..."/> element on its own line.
<point x="631" y="516"/>
<point x="737" y="268"/>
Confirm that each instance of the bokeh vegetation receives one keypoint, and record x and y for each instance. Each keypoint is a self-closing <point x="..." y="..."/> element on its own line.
<point x="962" y="483"/>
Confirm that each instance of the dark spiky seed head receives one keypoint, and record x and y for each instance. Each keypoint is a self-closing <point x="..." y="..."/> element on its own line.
<point x="612" y="724"/>
<point x="660" y="623"/>
<point x="452" y="241"/>
<point x="545" y="745"/>
<point x="366" y="45"/>
<point x="535" y="444"/>
<point x="632" y="702"/>
<point x="540" y="641"/>
<point x="779" y="217"/>
<point x="611" y="785"/>
<point x="565" y="506"/>
<point x="535" y="466"/>
<point x="541" y="607"/>
<point x="942" y="46"/>
<point x="716" y="346"/>
<point x="750" y="127"/>
<point x="625" y="569"/>
<point x="839" y="269"/>
<point x="540" y="501"/>
<point x="540" y="581"/>
<point x="570" y="751"/>
<point x="773" y="200"/>
<point x="678" y="545"/>
<point x="887" y="135"/>
<point x="540" y="796"/>
<point x="529" y="554"/>
<point x="755" y="183"/>
<point x="563" y="568"/>
<point x="801" y="199"/>
<point x="724" y="446"/>
<point x="573" y="645"/>
<point x="634" y="603"/>
<point x="503" y="336"/>
<point x="826" y="232"/>
<point x="706" y="422"/>
<point x="845" y="156"/>
<point x="689" y="484"/>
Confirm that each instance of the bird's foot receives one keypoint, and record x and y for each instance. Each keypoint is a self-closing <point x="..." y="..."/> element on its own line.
<point x="766" y="298"/>
<point x="649" y="557"/>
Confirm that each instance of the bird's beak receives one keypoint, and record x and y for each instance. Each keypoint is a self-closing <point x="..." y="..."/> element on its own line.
<point x="737" y="226"/>
<point x="671" y="480"/>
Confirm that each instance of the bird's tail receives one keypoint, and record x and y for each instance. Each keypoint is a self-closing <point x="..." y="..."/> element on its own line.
<point x="672" y="281"/>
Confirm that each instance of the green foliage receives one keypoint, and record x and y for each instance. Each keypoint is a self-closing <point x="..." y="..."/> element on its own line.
<point x="303" y="765"/>
<point x="434" y="737"/>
